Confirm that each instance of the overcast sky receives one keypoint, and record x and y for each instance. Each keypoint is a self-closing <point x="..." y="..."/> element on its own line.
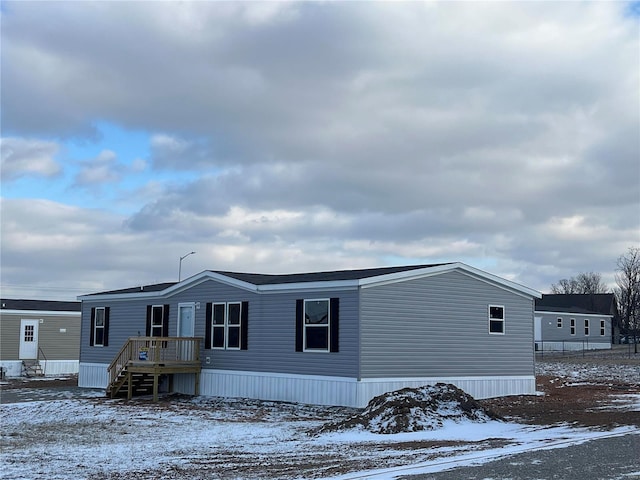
<point x="288" y="137"/>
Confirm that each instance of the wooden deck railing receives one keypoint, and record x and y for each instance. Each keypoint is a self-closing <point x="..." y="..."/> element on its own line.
<point x="155" y="351"/>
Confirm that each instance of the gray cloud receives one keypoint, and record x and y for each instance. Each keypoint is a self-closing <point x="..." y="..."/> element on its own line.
<point x="334" y="134"/>
<point x="28" y="157"/>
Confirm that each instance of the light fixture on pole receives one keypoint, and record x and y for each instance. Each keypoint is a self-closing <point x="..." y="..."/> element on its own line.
<point x="180" y="264"/>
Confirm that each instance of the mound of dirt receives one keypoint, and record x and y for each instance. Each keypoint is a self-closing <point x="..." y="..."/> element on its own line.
<point x="414" y="409"/>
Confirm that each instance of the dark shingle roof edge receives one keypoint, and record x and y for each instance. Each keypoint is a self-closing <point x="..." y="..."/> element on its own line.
<point x="328" y="276"/>
<point x="40" y="305"/>
<point x="277" y="279"/>
<point x="156" y="287"/>
<point x="598" y="303"/>
<point x="301" y="281"/>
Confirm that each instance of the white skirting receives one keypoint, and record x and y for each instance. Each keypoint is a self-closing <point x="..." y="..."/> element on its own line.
<point x="60" y="367"/>
<point x="93" y="375"/>
<point x="13" y="368"/>
<point x="315" y="390"/>
<point x="341" y="391"/>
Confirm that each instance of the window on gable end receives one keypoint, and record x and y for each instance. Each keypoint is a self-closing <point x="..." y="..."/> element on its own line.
<point x="496" y="319"/>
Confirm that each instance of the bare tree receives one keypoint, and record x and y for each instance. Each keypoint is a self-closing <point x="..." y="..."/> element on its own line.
<point x="586" y="283"/>
<point x="628" y="292"/>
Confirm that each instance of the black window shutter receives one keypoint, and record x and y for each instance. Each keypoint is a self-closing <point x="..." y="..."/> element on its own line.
<point x="165" y="321"/>
<point x="93" y="326"/>
<point x="299" y="325"/>
<point x="244" y="325"/>
<point x="148" y="334"/>
<point x="207" y="326"/>
<point x="105" y="337"/>
<point x="335" y="325"/>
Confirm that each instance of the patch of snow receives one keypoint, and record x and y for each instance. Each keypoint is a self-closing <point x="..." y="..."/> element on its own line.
<point x="80" y="438"/>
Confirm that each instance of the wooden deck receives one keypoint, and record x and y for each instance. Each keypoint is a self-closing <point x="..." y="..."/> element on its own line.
<point x="142" y="360"/>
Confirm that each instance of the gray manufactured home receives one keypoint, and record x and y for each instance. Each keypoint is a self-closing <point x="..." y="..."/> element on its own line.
<point x="575" y="322"/>
<point x="333" y="338"/>
<point x="43" y="334"/>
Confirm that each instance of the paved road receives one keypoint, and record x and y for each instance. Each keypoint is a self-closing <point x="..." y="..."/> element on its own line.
<point x="615" y="458"/>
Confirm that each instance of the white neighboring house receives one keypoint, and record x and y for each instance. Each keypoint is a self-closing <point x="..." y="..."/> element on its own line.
<point x="575" y="322"/>
<point x="41" y="334"/>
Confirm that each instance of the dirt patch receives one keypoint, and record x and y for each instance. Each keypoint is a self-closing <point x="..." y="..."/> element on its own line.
<point x="415" y="409"/>
<point x="39" y="382"/>
<point x="579" y="388"/>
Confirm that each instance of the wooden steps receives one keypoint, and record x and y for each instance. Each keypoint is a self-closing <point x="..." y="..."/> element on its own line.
<point x="143" y="362"/>
<point x="32" y="368"/>
<point x="141" y="384"/>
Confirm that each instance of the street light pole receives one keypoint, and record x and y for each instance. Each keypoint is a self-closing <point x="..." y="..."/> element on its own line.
<point x="180" y="264"/>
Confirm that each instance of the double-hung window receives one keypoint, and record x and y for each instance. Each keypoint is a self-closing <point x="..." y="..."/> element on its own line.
<point x="157" y="315"/>
<point x="99" y="333"/>
<point x="98" y="328"/>
<point x="496" y="319"/>
<point x="226" y="327"/>
<point x="586" y="327"/>
<point x="559" y="322"/>
<point x="572" y="326"/>
<point x="602" y="328"/>
<point x="157" y="321"/>
<point x="317" y="325"/>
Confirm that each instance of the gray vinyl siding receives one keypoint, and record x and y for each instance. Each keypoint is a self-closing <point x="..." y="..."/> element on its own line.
<point x="551" y="332"/>
<point x="438" y="327"/>
<point x="271" y="330"/>
<point x="126" y="319"/>
<point x="54" y="344"/>
<point x="9" y="337"/>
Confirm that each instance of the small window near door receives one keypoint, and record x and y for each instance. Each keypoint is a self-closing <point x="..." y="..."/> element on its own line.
<point x="228" y="325"/>
<point x="157" y="321"/>
<point x="28" y="333"/>
<point x="559" y="322"/>
<point x="496" y="319"/>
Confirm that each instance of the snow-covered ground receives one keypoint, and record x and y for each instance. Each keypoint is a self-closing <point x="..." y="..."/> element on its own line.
<point x="91" y="437"/>
<point x="590" y="372"/>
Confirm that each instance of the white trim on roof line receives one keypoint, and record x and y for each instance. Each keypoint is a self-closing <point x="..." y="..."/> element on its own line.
<point x="323" y="285"/>
<point x="429" y="271"/>
<point x="50" y="313"/>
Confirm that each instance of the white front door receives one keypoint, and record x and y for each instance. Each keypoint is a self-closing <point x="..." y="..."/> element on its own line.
<point x="29" y="339"/>
<point x="186" y="328"/>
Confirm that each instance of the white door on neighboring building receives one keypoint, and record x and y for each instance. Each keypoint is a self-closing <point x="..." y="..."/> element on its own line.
<point x="186" y="328"/>
<point x="537" y="329"/>
<point x="29" y="339"/>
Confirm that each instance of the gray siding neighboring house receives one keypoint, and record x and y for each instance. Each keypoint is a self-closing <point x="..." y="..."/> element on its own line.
<point x="377" y="330"/>
<point x="575" y="322"/>
<point x="44" y="330"/>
